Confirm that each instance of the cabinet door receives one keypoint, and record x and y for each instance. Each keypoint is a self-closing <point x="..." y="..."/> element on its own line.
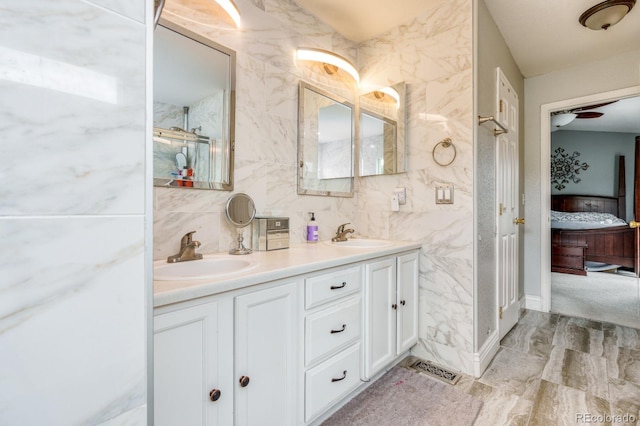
<point x="407" y="289"/>
<point x="379" y="315"/>
<point x="266" y="355"/>
<point x="190" y="347"/>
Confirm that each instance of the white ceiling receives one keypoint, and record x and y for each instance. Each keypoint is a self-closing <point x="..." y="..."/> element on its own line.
<point x="543" y="35"/>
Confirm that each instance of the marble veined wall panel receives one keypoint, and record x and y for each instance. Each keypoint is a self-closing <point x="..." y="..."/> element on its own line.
<point x="74" y="297"/>
<point x="73" y="109"/>
<point x="433" y="55"/>
<point x="72" y="320"/>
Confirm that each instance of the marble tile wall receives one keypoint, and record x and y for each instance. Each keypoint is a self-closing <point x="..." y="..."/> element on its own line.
<point x="433" y="55"/>
<point x="73" y="293"/>
<point x="266" y="128"/>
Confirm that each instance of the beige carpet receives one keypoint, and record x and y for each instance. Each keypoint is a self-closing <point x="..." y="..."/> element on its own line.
<point x="599" y="296"/>
<point x="404" y="397"/>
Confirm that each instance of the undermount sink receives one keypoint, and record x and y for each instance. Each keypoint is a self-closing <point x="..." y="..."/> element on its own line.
<point x="208" y="267"/>
<point x="361" y="243"/>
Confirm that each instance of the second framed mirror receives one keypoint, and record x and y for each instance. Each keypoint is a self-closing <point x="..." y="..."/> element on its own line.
<point x="382" y="126"/>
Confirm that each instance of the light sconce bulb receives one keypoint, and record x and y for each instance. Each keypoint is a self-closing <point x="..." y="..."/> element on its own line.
<point x="330" y="61"/>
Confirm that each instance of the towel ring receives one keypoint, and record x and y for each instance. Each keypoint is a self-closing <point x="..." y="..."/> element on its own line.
<point x="445" y="143"/>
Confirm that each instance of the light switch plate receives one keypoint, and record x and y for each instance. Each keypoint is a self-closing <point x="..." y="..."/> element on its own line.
<point x="444" y="194"/>
<point x="401" y="193"/>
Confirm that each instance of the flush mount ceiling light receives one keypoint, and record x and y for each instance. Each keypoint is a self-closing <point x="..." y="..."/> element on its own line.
<point x="606" y="14"/>
<point x="330" y="61"/>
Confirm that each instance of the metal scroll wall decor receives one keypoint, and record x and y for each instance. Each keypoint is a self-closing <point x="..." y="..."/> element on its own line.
<point x="565" y="167"/>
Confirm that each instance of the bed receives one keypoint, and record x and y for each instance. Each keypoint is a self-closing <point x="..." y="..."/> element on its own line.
<point x="587" y="228"/>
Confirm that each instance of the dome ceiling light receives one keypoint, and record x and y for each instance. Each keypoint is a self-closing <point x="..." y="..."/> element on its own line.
<point x="604" y="15"/>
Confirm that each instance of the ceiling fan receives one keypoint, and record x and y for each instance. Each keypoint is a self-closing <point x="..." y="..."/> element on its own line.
<point x="564" y="117"/>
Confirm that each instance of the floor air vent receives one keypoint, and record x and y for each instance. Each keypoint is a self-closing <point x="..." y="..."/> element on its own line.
<point x="436" y="372"/>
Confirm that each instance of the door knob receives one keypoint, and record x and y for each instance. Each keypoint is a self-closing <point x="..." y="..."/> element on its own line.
<point x="634" y="224"/>
<point x="518" y="221"/>
<point x="244" y="381"/>
<point x="214" y="395"/>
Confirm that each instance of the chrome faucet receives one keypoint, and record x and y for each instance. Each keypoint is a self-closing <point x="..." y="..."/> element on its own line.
<point x="341" y="233"/>
<point x="187" y="249"/>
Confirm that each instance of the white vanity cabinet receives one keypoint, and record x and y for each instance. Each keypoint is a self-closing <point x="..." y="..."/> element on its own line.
<point x="193" y="348"/>
<point x="232" y="360"/>
<point x="332" y="337"/>
<point x="390" y="310"/>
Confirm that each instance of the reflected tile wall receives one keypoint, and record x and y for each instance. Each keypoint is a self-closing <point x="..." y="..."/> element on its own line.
<point x="72" y="212"/>
<point x="433" y="55"/>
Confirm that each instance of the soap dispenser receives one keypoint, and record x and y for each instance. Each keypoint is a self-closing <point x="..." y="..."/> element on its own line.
<point x="312" y="229"/>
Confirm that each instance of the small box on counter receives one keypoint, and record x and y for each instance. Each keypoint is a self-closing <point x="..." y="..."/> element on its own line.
<point x="270" y="233"/>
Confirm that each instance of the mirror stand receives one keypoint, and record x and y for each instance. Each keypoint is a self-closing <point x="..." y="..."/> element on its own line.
<point x="240" y="248"/>
<point x="240" y="211"/>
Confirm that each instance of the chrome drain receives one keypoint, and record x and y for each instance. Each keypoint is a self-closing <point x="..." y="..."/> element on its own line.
<point x="436" y="372"/>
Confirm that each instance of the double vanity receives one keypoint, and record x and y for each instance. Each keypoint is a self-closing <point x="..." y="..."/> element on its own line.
<point x="281" y="337"/>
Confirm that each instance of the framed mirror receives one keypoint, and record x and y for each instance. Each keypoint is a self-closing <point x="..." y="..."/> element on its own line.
<point x="382" y="128"/>
<point x="193" y="110"/>
<point x="325" y="143"/>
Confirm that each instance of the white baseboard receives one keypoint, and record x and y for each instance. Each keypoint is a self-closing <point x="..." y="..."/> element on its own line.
<point x="482" y="358"/>
<point x="533" y="302"/>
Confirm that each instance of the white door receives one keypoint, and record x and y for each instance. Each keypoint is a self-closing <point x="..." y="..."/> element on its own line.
<point x="190" y="347"/>
<point x="407" y="327"/>
<point x="266" y="355"/>
<point x="380" y="309"/>
<point x="507" y="197"/>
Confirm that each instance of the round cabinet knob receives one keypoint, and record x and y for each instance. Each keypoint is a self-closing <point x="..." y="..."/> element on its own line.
<point x="244" y="381"/>
<point x="214" y="395"/>
<point x="403" y="302"/>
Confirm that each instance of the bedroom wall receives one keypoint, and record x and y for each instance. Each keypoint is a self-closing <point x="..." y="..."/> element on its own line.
<point x="600" y="150"/>
<point x="616" y="72"/>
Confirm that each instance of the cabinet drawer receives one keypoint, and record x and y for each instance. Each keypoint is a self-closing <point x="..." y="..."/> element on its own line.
<point x="331" y="380"/>
<point x="332" y="328"/>
<point x="332" y="285"/>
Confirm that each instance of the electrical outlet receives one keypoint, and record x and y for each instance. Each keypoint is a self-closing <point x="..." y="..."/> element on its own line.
<point x="401" y="193"/>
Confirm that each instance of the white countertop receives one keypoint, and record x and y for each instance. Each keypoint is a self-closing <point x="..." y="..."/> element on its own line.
<point x="273" y="265"/>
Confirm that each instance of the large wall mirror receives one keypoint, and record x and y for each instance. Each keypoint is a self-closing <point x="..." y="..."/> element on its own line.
<point x="193" y="110"/>
<point x="382" y="127"/>
<point x="325" y="143"/>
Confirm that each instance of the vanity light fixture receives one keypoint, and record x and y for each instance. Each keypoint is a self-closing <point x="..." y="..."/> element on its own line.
<point x="222" y="14"/>
<point x="389" y="91"/>
<point x="604" y="15"/>
<point x="232" y="10"/>
<point x="330" y="61"/>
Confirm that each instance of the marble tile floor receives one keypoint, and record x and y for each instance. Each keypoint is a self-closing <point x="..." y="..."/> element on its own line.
<point x="553" y="369"/>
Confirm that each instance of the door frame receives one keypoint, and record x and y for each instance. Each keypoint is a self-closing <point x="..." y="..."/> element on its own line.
<point x="545" y="177"/>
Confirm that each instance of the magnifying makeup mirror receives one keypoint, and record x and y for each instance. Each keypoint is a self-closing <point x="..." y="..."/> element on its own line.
<point x="240" y="211"/>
